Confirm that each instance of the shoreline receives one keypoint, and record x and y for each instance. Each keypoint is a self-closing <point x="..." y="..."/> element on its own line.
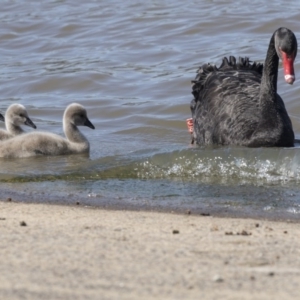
<point x="75" y="252"/>
<point x="114" y="204"/>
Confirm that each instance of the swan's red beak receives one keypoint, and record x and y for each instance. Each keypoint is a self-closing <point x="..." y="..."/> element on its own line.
<point x="288" y="66"/>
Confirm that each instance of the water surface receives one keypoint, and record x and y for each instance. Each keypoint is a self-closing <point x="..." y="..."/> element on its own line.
<point x="130" y="63"/>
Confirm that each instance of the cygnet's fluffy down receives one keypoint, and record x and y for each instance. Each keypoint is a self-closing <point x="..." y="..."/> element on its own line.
<point x="15" y="116"/>
<point x="45" y="143"/>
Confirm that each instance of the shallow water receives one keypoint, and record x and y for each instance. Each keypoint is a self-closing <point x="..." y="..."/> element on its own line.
<point x="130" y="64"/>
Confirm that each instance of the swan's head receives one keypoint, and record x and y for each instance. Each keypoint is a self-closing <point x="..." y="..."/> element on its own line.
<point x="17" y="115"/>
<point x="286" y="48"/>
<point x="76" y="114"/>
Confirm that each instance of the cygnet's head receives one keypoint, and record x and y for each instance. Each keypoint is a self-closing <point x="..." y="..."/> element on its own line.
<point x="76" y="114"/>
<point x="17" y="115"/>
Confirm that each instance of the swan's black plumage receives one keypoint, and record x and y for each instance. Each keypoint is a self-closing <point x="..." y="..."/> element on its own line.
<point x="237" y="103"/>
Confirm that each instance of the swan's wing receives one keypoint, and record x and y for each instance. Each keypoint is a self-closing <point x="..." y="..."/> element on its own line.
<point x="227" y="65"/>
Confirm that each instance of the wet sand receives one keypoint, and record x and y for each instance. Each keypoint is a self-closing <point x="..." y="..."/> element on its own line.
<point x="75" y="252"/>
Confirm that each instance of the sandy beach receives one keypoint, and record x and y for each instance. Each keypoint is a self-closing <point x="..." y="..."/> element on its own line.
<point x="75" y="252"/>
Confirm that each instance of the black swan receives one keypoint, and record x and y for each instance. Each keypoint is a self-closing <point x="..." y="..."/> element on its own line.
<point x="238" y="104"/>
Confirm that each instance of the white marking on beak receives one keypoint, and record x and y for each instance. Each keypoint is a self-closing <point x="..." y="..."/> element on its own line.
<point x="289" y="78"/>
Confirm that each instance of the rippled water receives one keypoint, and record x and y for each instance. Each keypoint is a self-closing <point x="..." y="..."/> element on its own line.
<point x="130" y="64"/>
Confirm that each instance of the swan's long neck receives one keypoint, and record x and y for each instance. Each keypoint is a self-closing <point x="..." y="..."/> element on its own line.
<point x="73" y="134"/>
<point x="13" y="129"/>
<point x="270" y="73"/>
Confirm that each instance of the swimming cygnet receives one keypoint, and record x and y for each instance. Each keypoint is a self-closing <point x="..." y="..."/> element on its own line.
<point x="46" y="143"/>
<point x="15" y="116"/>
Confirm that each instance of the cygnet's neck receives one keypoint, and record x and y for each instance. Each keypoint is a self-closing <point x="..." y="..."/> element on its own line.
<point x="13" y="129"/>
<point x="73" y="134"/>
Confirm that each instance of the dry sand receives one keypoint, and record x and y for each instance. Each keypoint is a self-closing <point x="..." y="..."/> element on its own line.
<point x="74" y="252"/>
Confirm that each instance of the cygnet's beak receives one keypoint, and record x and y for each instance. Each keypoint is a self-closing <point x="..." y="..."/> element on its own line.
<point x="29" y="123"/>
<point x="88" y="123"/>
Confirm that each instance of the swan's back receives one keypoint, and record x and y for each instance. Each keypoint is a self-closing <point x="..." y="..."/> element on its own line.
<point x="210" y="78"/>
<point x="34" y="144"/>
